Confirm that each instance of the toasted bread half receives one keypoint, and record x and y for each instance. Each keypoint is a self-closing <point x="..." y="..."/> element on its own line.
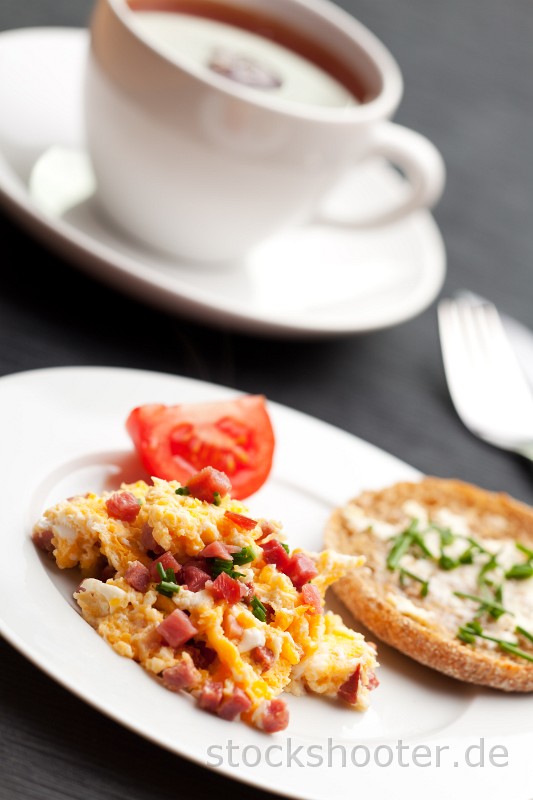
<point x="426" y="627"/>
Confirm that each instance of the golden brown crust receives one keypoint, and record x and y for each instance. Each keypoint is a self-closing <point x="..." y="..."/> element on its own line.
<point x="365" y="591"/>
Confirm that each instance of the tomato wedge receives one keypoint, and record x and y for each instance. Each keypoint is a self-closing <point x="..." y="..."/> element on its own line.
<point x="235" y="436"/>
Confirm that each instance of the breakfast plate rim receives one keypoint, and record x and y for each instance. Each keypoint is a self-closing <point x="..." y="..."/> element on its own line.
<point x="121" y="380"/>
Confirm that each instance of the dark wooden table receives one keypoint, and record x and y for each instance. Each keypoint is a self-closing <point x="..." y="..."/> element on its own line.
<point x="467" y="67"/>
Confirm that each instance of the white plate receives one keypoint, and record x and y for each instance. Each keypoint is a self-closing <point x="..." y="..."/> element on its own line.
<point x="312" y="281"/>
<point x="69" y="438"/>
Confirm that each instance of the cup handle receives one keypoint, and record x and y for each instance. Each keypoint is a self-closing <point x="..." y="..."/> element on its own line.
<point x="417" y="158"/>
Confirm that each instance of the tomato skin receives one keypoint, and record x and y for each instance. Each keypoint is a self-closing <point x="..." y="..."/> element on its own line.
<point x="235" y="437"/>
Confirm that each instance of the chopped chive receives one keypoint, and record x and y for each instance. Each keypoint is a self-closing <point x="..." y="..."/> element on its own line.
<point x="216" y="498"/>
<point x="167" y="588"/>
<point x="161" y="571"/>
<point x="525" y="550"/>
<point x="465" y="636"/>
<point x="488" y="566"/>
<point x="219" y="565"/>
<point x="447" y="536"/>
<point x="468" y="633"/>
<point x="183" y="491"/>
<point x="424" y="585"/>
<point x="520" y="572"/>
<point x="418" y="539"/>
<point x="285" y="547"/>
<point x="447" y="563"/>
<point x="244" y="556"/>
<point x="508" y="647"/>
<point x="523" y="632"/>
<point x="476" y="545"/>
<point x="401" y="545"/>
<point x="493" y="608"/>
<point x="467" y="556"/>
<point x="258" y="609"/>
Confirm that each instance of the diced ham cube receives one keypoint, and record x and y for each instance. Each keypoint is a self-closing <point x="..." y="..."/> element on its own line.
<point x="275" y="553"/>
<point x="242" y="522"/>
<point x="183" y="675"/>
<point x="232" y="706"/>
<point x="148" y="542"/>
<point x="43" y="540"/>
<point x="350" y="688"/>
<point x="218" y="550"/>
<point x="177" y="628"/>
<point x="193" y="577"/>
<point x="211" y="696"/>
<point x="311" y="596"/>
<point x="138" y="576"/>
<point x="300" y="569"/>
<point x="207" y="482"/>
<point x="202" y="655"/>
<point x="123" y="506"/>
<point x="226" y="588"/>
<point x="264" y="656"/>
<point x="167" y="561"/>
<point x="275" y="716"/>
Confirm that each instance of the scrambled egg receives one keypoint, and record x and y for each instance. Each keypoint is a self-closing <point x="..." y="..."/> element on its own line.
<point x="271" y="640"/>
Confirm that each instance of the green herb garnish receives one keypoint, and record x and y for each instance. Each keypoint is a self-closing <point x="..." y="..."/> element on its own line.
<point x="410" y="537"/>
<point x="509" y="647"/>
<point x="447" y="563"/>
<point x="525" y="550"/>
<point x="167" y="586"/>
<point x="520" y="572"/>
<point x="216" y="498"/>
<point x="401" y="545"/>
<point x="244" y="556"/>
<point x="524" y="633"/>
<point x="468" y="633"/>
<point x="467" y="556"/>
<point x="424" y="585"/>
<point x="258" y="609"/>
<point x="491" y="607"/>
<point x="219" y="565"/>
<point x="489" y="566"/>
<point x="183" y="491"/>
<point x="446" y="535"/>
<point x="285" y="547"/>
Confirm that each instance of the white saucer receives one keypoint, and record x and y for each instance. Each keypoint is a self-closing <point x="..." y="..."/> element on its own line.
<point x="312" y="281"/>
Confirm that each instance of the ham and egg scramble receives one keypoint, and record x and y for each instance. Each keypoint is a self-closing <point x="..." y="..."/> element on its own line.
<point x="182" y="580"/>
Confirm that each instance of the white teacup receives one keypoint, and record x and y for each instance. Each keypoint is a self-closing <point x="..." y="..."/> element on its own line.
<point x="203" y="166"/>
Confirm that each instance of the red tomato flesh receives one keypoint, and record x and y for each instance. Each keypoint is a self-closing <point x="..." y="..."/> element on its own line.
<point x="235" y="437"/>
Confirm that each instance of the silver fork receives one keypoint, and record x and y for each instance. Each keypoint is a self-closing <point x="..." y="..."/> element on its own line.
<point x="488" y="388"/>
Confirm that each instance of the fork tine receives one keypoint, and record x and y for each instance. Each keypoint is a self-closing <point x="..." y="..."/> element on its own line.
<point x="486" y="383"/>
<point x="458" y="364"/>
<point x="499" y="351"/>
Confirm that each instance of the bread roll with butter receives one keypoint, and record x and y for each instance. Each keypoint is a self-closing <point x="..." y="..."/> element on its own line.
<point x="448" y="577"/>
